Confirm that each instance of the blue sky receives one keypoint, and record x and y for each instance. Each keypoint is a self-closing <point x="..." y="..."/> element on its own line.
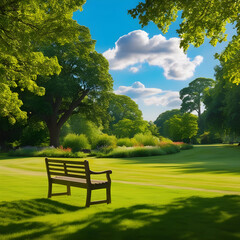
<point x="145" y="64"/>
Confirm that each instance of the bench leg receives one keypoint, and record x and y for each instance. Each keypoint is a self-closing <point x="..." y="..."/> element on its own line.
<point x="49" y="190"/>
<point x="108" y="192"/>
<point x="88" y="200"/>
<point x="68" y="190"/>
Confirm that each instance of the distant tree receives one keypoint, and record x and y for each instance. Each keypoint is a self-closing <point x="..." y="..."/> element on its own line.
<point x="164" y="117"/>
<point x="128" y="128"/>
<point x="192" y="96"/>
<point x="82" y="86"/>
<point x="182" y="127"/>
<point x="25" y="25"/>
<point x="121" y="107"/>
<point x="152" y="127"/>
<point x="200" y="20"/>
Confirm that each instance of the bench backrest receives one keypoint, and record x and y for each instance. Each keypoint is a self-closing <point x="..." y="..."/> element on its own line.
<point x="76" y="169"/>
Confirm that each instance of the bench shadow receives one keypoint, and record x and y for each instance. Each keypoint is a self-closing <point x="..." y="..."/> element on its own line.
<point x="186" y="218"/>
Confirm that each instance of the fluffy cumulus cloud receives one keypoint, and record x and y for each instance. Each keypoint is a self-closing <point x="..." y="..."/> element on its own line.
<point x="136" y="48"/>
<point x="151" y="96"/>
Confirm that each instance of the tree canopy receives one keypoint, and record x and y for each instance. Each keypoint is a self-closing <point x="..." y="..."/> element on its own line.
<point x="222" y="104"/>
<point x="128" y="128"/>
<point x="200" y="19"/>
<point x="83" y="84"/>
<point x="122" y="107"/>
<point x="162" y="118"/>
<point x="182" y="127"/>
<point x="192" y="96"/>
<point x="24" y="26"/>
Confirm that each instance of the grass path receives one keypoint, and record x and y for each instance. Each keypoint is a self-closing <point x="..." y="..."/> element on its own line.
<point x="192" y="195"/>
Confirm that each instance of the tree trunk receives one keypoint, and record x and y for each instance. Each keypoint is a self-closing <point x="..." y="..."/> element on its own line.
<point x="54" y="123"/>
<point x="54" y="132"/>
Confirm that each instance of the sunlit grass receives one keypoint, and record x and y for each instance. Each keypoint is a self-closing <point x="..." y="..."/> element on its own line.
<point x="189" y="195"/>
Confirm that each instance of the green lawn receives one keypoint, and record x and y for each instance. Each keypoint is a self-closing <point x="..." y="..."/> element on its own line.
<point x="194" y="194"/>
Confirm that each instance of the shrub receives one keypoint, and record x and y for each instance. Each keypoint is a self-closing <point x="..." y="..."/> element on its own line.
<point x="24" y="152"/>
<point x="46" y="152"/>
<point x="105" y="141"/>
<point x="208" y="137"/>
<point x="165" y="140"/>
<point x="123" y="152"/>
<point x="127" y="142"/>
<point x="183" y="146"/>
<point x="186" y="146"/>
<point x="146" y="139"/>
<point x="76" y="142"/>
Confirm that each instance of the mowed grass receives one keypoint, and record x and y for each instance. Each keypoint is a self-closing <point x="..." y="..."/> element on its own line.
<point x="194" y="194"/>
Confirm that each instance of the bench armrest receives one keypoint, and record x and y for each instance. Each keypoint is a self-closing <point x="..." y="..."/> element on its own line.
<point x="107" y="171"/>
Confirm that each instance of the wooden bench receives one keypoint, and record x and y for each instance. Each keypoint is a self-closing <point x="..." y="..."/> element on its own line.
<point x="76" y="174"/>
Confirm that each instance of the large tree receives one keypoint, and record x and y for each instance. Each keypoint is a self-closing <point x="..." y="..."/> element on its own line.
<point x="24" y="25"/>
<point x="82" y="86"/>
<point x="192" y="96"/>
<point x="223" y="104"/>
<point x="200" y="19"/>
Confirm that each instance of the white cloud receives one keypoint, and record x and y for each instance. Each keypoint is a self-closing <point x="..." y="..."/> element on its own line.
<point x="134" y="69"/>
<point x="151" y="96"/>
<point x="168" y="99"/>
<point x="137" y="90"/>
<point x="136" y="48"/>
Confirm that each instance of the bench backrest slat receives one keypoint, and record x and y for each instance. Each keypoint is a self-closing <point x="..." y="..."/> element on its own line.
<point x="55" y="165"/>
<point x="67" y="168"/>
<point x="72" y="166"/>
<point x="66" y="161"/>
<point x="69" y="171"/>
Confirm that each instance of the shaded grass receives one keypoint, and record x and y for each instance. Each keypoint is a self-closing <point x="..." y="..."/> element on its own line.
<point x="136" y="212"/>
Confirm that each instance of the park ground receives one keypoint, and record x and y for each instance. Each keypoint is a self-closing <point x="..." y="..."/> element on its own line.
<point x="194" y="194"/>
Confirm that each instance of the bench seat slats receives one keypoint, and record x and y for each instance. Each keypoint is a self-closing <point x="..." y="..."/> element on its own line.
<point x="73" y="179"/>
<point x="68" y="174"/>
<point x="75" y="175"/>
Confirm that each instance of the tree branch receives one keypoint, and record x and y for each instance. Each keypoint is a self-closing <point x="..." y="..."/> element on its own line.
<point x="72" y="106"/>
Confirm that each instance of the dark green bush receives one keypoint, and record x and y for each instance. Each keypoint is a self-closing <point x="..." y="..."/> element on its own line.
<point x="35" y="134"/>
<point x="186" y="146"/>
<point x="208" y="138"/>
<point x="76" y="142"/>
